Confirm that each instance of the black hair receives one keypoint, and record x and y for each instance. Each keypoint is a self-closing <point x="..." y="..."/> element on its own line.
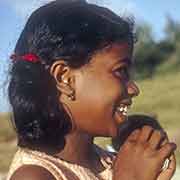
<point x="135" y="121"/>
<point x="68" y="30"/>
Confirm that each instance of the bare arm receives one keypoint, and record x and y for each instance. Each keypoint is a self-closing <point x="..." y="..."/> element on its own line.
<point x="32" y="172"/>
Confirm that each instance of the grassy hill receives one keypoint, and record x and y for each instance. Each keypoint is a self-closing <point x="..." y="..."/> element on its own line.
<point x="7" y="141"/>
<point x="160" y="96"/>
<point x="6" y="129"/>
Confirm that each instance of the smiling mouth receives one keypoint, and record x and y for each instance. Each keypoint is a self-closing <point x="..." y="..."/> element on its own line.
<point x="121" y="112"/>
<point x="122" y="109"/>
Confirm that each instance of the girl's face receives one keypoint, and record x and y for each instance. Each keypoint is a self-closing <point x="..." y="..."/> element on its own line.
<point x="103" y="91"/>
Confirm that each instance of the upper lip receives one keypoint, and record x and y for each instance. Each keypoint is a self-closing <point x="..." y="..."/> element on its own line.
<point x="126" y="102"/>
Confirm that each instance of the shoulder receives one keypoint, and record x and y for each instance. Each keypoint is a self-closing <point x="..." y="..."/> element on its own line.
<point x="32" y="172"/>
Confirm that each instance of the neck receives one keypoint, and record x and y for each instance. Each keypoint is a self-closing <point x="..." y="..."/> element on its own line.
<point x="78" y="147"/>
<point x="79" y="150"/>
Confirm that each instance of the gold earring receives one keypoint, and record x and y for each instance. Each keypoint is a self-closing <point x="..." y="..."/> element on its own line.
<point x="65" y="81"/>
<point x="72" y="96"/>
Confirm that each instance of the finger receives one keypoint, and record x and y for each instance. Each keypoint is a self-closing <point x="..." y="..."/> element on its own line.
<point x="172" y="163"/>
<point x="169" y="172"/>
<point x="134" y="135"/>
<point x="167" y="150"/>
<point x="145" y="134"/>
<point x="166" y="140"/>
<point x="156" y="139"/>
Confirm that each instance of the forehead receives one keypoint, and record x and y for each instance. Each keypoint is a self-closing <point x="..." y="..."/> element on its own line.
<point x="115" y="53"/>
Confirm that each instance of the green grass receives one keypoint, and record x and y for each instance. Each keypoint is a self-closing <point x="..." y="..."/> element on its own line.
<point x="7" y="141"/>
<point x="6" y="130"/>
<point x="160" y="96"/>
<point x="7" y="150"/>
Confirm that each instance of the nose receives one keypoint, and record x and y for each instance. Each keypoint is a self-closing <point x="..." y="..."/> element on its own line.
<point x="132" y="89"/>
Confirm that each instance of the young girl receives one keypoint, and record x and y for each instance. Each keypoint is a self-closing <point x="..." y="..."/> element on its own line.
<point x="69" y="83"/>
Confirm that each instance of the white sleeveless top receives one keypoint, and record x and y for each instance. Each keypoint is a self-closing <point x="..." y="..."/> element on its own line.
<point x="58" y="167"/>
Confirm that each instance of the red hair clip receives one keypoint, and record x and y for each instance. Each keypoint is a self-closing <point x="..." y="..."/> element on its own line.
<point x="27" y="57"/>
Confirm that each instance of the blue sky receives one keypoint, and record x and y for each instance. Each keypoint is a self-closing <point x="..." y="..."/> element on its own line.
<point x="13" y="15"/>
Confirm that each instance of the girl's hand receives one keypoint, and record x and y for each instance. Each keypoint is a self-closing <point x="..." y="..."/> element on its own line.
<point x="167" y="173"/>
<point x="140" y="158"/>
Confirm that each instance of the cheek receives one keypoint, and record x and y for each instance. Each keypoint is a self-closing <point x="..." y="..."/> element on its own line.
<point x="96" y="99"/>
<point x="93" y="109"/>
<point x="99" y="92"/>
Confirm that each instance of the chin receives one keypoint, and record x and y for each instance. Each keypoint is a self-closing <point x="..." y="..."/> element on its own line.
<point x="118" y="121"/>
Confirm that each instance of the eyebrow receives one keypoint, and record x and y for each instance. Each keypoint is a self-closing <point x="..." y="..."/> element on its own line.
<point x="126" y="60"/>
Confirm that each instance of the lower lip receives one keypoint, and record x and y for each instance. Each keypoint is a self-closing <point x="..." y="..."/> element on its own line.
<point x="119" y="117"/>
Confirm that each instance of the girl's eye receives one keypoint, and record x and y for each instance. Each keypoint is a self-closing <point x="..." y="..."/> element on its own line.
<point x="122" y="73"/>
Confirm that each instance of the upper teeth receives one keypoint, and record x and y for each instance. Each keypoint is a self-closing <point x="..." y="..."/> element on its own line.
<point x="123" y="109"/>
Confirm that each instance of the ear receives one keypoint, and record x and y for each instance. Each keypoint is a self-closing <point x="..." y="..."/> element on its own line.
<point x="64" y="77"/>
